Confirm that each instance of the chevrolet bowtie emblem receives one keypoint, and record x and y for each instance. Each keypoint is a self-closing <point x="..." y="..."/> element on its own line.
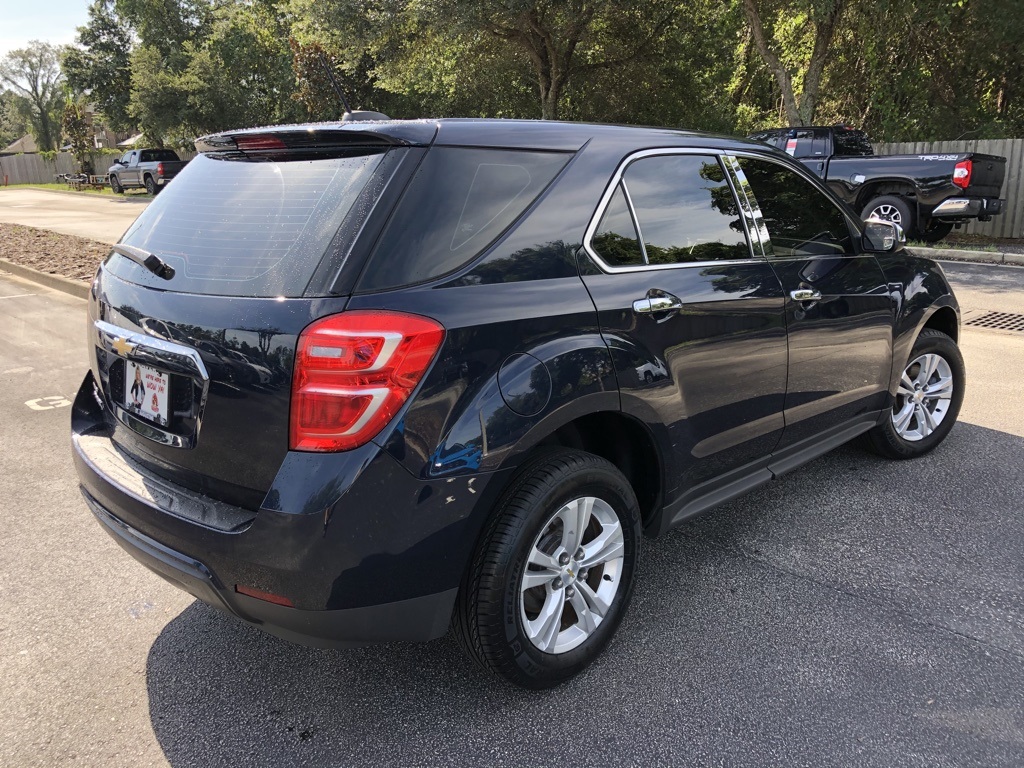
<point x="122" y="347"/>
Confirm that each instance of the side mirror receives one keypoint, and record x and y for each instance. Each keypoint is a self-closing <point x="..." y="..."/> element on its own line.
<point x="882" y="236"/>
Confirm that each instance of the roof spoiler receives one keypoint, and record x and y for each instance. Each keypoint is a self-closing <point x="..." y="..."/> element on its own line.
<point x="356" y="129"/>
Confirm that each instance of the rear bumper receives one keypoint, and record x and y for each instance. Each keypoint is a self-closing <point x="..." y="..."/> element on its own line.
<point x="421" y="618"/>
<point x="362" y="550"/>
<point x="968" y="208"/>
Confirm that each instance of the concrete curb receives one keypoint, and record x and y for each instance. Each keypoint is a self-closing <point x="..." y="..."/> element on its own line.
<point x="979" y="257"/>
<point x="75" y="288"/>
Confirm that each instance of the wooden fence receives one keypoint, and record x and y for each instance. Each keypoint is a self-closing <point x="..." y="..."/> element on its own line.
<point x="1011" y="222"/>
<point x="35" y="169"/>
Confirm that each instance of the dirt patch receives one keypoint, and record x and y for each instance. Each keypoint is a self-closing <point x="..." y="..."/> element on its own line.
<point x="64" y="255"/>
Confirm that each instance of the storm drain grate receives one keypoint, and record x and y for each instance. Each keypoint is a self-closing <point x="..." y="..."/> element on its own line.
<point x="1002" y="321"/>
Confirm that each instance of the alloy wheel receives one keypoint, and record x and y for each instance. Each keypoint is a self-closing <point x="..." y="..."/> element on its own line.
<point x="572" y="575"/>
<point x="923" y="397"/>
<point x="888" y="212"/>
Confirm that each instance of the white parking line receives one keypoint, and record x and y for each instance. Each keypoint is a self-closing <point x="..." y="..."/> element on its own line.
<point x="17" y="296"/>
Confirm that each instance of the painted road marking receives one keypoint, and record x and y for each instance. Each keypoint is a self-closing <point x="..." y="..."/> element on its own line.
<point x="53" y="401"/>
<point x="23" y="369"/>
<point x="17" y="296"/>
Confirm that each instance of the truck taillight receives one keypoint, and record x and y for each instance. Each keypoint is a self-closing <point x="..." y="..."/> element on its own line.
<point x="353" y="372"/>
<point x="962" y="174"/>
<point x="159" y="169"/>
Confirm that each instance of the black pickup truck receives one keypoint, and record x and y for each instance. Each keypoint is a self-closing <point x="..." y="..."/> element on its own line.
<point x="149" y="168"/>
<point x="927" y="195"/>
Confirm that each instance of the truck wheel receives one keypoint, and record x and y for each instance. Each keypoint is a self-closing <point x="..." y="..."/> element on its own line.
<point x="151" y="186"/>
<point x="553" y="575"/>
<point x="891" y="208"/>
<point x="935" y="231"/>
<point x="115" y="185"/>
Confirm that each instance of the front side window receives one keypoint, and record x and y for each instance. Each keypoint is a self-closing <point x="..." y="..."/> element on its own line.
<point x="800" y="219"/>
<point x="685" y="209"/>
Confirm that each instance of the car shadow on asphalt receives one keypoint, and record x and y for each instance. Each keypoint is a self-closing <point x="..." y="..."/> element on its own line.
<point x="895" y="585"/>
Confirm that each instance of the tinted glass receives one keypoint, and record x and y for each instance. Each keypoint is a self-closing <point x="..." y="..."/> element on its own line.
<point x="685" y="209"/>
<point x="157" y="155"/>
<point x="457" y="204"/>
<point x="800" y="220"/>
<point x="851" y="143"/>
<point x="245" y="227"/>
<point x="615" y="240"/>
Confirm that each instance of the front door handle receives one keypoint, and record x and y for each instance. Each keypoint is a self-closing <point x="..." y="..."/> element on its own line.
<point x="805" y="294"/>
<point x="661" y="303"/>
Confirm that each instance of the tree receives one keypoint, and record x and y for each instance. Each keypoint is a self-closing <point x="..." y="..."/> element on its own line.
<point x="563" y="39"/>
<point x="33" y="73"/>
<point x="101" y="66"/>
<point x="78" y="130"/>
<point x="12" y="124"/>
<point x="781" y="43"/>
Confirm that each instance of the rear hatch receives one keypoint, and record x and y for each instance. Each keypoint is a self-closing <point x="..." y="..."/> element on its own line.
<point x="263" y="234"/>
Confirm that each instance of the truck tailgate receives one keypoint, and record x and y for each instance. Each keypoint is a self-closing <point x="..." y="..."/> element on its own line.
<point x="987" y="174"/>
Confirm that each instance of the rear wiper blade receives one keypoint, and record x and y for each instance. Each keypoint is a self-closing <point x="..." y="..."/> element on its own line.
<point x="150" y="261"/>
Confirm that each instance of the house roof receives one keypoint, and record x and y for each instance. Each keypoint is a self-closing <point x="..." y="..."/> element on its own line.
<point x="25" y="144"/>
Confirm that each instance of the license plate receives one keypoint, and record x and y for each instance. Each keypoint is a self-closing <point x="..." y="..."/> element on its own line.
<point x="145" y="392"/>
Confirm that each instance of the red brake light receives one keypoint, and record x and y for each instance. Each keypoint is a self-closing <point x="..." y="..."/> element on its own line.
<point x="258" y="142"/>
<point x="353" y="372"/>
<point x="159" y="169"/>
<point x="962" y="174"/>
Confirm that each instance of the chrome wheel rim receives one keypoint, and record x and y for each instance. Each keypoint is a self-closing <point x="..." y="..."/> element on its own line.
<point x="923" y="398"/>
<point x="887" y="213"/>
<point x="572" y="575"/>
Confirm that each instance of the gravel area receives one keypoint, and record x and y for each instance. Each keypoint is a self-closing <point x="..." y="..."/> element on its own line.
<point x="65" y="255"/>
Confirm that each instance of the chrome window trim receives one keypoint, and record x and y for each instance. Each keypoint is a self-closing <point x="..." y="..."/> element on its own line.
<point x="610" y="190"/>
<point x="751" y="212"/>
<point x="159" y="353"/>
<point x="636" y="221"/>
<point x="854" y="231"/>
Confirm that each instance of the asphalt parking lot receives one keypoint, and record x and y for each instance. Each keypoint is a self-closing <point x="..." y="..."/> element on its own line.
<point x="855" y="612"/>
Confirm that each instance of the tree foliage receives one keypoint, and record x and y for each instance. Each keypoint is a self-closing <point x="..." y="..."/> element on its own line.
<point x="902" y="69"/>
<point x="34" y="75"/>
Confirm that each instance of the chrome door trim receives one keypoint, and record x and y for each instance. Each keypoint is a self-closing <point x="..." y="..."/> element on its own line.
<point x="613" y="183"/>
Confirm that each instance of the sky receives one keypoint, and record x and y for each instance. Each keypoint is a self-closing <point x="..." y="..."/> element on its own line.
<point x="53" y="21"/>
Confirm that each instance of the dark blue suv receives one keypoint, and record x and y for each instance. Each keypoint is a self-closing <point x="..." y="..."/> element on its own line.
<point x="365" y="381"/>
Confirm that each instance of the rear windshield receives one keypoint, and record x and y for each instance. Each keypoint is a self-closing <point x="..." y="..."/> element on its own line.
<point x="244" y="227"/>
<point x="851" y="143"/>
<point x="458" y="203"/>
<point x="157" y="155"/>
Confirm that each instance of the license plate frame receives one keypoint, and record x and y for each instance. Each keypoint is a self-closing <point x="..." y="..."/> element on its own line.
<point x="147" y="392"/>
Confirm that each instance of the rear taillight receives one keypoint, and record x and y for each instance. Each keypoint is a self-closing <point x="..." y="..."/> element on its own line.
<point x="962" y="174"/>
<point x="159" y="169"/>
<point x="353" y="372"/>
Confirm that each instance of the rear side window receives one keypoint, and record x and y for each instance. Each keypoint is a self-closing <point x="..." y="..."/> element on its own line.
<point x="246" y="227"/>
<point x="685" y="209"/>
<point x="458" y="203"/>
<point x="157" y="155"/>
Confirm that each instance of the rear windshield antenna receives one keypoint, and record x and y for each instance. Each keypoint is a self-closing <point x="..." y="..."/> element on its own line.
<point x="337" y="88"/>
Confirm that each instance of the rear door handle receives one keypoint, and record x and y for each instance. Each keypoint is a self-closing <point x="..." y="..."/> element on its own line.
<point x="652" y="304"/>
<point x="805" y="294"/>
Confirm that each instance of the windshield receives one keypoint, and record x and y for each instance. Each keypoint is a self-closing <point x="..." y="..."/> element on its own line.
<point x="246" y="227"/>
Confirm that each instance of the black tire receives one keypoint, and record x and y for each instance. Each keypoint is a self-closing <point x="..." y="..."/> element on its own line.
<point x="488" y="617"/>
<point x="935" y="231"/>
<point x="885" y="439"/>
<point x="115" y="185"/>
<point x="648" y="377"/>
<point x="892" y="208"/>
<point x="151" y="186"/>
